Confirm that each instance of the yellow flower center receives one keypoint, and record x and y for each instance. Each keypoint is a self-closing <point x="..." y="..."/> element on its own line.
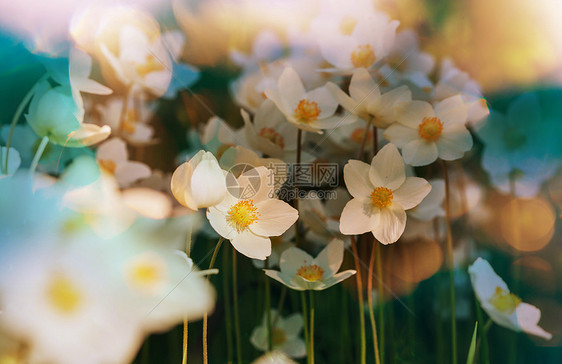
<point x="278" y="337"/>
<point x="242" y="215"/>
<point x="150" y="65"/>
<point x="9" y="359"/>
<point x="307" y="111"/>
<point x="146" y="272"/>
<point x="107" y="165"/>
<point x="311" y="273"/>
<point x="358" y="134"/>
<point x="63" y="294"/>
<point x="430" y="129"/>
<point x="504" y="301"/>
<point x="273" y="136"/>
<point x="381" y="197"/>
<point x="347" y="25"/>
<point x="130" y="121"/>
<point x="363" y="56"/>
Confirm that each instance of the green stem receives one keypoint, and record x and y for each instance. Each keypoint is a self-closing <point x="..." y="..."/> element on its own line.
<point x="360" y="299"/>
<point x="485" y="357"/>
<point x="296" y="187"/>
<point x="16" y="117"/>
<point x="227" y="309"/>
<point x="268" y="310"/>
<point x="370" y="303"/>
<point x="380" y="290"/>
<point x="236" y="312"/>
<point x="311" y="331"/>
<point x="451" y="263"/>
<point x="305" y="325"/>
<point x="38" y="154"/>
<point x="184" y="351"/>
<point x="205" y="316"/>
<point x="280" y="305"/>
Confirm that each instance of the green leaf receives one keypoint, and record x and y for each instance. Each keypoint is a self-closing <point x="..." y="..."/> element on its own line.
<point x="472" y="349"/>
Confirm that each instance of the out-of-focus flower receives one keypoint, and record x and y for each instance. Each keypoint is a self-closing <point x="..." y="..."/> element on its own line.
<point x="366" y="100"/>
<point x="432" y="205"/>
<point x="199" y="182"/>
<point x="313" y="110"/>
<point x="425" y="133"/>
<point x="278" y="245"/>
<point x="302" y="272"/>
<point x="381" y="194"/>
<point x="274" y="357"/>
<point x="112" y="155"/>
<point x="251" y="216"/>
<point x="266" y="48"/>
<point x="10" y="161"/>
<point x="503" y="307"/>
<point x="284" y="336"/>
<point x="322" y="219"/>
<point x="523" y="146"/>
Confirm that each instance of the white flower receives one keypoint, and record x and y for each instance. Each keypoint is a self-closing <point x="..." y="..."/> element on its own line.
<point x="9" y="161"/>
<point x="112" y="155"/>
<point x="199" y="182"/>
<point x="301" y="272"/>
<point x="381" y="194"/>
<point x="274" y="357"/>
<point x="432" y="205"/>
<point x="366" y="100"/>
<point x="248" y="216"/>
<point x="503" y="307"/>
<point x="308" y="110"/>
<point x="285" y="334"/>
<point x="426" y="133"/>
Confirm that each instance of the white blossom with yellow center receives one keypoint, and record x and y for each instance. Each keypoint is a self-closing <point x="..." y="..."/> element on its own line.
<point x="503" y="307"/>
<point x="308" y="110"/>
<point x="251" y="217"/>
<point x="299" y="271"/>
<point x="381" y="194"/>
<point x="285" y="335"/>
<point x="425" y="132"/>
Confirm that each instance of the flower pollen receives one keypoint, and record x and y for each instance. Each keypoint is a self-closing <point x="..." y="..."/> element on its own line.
<point x="363" y="56"/>
<point x="430" y="128"/>
<point x="63" y="294"/>
<point x="149" y="66"/>
<point x="307" y="111"/>
<point x="504" y="301"/>
<point x="381" y="197"/>
<point x="273" y="136"/>
<point x="278" y="337"/>
<point x="311" y="273"/>
<point x="107" y="165"/>
<point x="242" y="215"/>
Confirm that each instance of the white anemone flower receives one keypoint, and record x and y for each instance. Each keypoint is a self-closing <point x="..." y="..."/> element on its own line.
<point x="274" y="357"/>
<point x="381" y="194"/>
<point x="503" y="307"/>
<point x="285" y="334"/>
<point x="308" y="110"/>
<point x="248" y="215"/>
<point x="425" y="133"/>
<point x="199" y="182"/>
<point x="301" y="272"/>
<point x="366" y="100"/>
<point x="112" y="155"/>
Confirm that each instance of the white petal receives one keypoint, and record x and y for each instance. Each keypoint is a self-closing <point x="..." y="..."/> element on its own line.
<point x="331" y="258"/>
<point x="208" y="184"/>
<point x="412" y="192"/>
<point x="400" y="135"/>
<point x="391" y="225"/>
<point x="290" y="88"/>
<point x="217" y="219"/>
<point x="292" y="259"/>
<point x="282" y="278"/>
<point x="454" y="142"/>
<point x="293" y="325"/>
<point x="358" y="218"/>
<point x="275" y="217"/>
<point x="387" y="168"/>
<point x="114" y="149"/>
<point x="129" y="172"/>
<point x="528" y="317"/>
<point x="251" y="245"/>
<point x="363" y="88"/>
<point x="181" y="178"/>
<point x="452" y="110"/>
<point x="485" y="280"/>
<point x="88" y="134"/>
<point x="411" y="113"/>
<point x="338" y="278"/>
<point x="294" y="348"/>
<point x="343" y="99"/>
<point x="420" y="153"/>
<point x="356" y="176"/>
<point x="326" y="102"/>
<point x="147" y="202"/>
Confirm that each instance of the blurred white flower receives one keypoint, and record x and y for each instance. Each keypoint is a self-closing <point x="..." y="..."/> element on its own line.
<point x="10" y="161"/>
<point x="112" y="156"/>
<point x="285" y="334"/>
<point x="274" y="357"/>
<point x="425" y="133"/>
<point x="301" y="272"/>
<point x="503" y="307"/>
<point x="381" y="194"/>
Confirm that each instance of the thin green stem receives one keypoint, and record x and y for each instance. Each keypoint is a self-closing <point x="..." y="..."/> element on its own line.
<point x="380" y="289"/>
<point x="363" y="142"/>
<point x="185" y="332"/>
<point x="305" y="325"/>
<point x="236" y="311"/>
<point x="16" y="118"/>
<point x="360" y="299"/>
<point x="483" y="337"/>
<point x="227" y="309"/>
<point x="370" y="303"/>
<point x="268" y="310"/>
<point x="38" y="154"/>
<point x="295" y="180"/>
<point x="451" y="263"/>
<point x="311" y="331"/>
<point x="280" y="305"/>
<point x="205" y="316"/>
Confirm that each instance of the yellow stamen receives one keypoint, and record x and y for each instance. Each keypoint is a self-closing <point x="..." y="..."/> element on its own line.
<point x="307" y="111"/>
<point x="150" y="65"/>
<point x="381" y="197"/>
<point x="311" y="273"/>
<point x="504" y="301"/>
<point x="363" y="56"/>
<point x="63" y="294"/>
<point x="278" y="337"/>
<point x="107" y="165"/>
<point x="129" y="124"/>
<point x="146" y="272"/>
<point x="273" y="136"/>
<point x="358" y="134"/>
<point x="430" y="128"/>
<point x="242" y="215"/>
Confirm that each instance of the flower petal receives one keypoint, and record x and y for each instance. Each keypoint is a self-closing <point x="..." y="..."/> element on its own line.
<point x="387" y="168"/>
<point x="217" y="219"/>
<point x="391" y="225"/>
<point x="275" y="217"/>
<point x="452" y="110"/>
<point x="292" y="259"/>
<point x="420" y="153"/>
<point x="356" y="218"/>
<point x="411" y="113"/>
<point x="412" y="192"/>
<point x="290" y="88"/>
<point x="325" y="101"/>
<point x="400" y="135"/>
<point x="528" y="317"/>
<point x="356" y="177"/>
<point x="251" y="245"/>
<point x="330" y="258"/>
<point x="455" y="141"/>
